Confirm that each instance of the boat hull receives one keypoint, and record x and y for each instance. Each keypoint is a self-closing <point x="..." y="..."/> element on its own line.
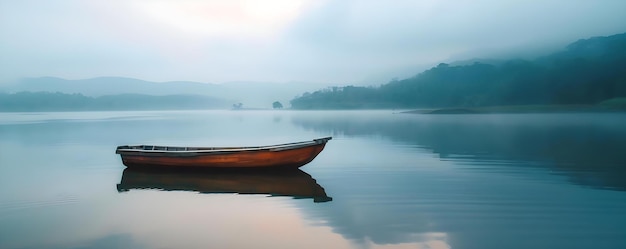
<point x="277" y="156"/>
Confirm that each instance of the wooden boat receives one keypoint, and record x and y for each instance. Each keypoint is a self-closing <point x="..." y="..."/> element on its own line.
<point x="290" y="155"/>
<point x="290" y="182"/>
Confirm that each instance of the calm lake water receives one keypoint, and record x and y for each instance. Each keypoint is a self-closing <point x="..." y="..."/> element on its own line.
<point x="385" y="181"/>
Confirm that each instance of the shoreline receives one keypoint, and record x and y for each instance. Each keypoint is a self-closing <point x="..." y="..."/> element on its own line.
<point x="521" y="109"/>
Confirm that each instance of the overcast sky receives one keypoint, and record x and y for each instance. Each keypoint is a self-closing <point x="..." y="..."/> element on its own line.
<point x="335" y="41"/>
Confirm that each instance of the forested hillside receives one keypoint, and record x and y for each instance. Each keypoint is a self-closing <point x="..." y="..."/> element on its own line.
<point x="586" y="72"/>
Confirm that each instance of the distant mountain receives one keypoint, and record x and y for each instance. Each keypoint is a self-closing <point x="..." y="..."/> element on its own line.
<point x="251" y="94"/>
<point x="46" y="101"/>
<point x="110" y="86"/>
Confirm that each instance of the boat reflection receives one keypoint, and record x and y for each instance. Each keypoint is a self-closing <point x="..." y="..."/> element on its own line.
<point x="294" y="183"/>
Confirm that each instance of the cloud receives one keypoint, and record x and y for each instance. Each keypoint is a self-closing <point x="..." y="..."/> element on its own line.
<point x="342" y="41"/>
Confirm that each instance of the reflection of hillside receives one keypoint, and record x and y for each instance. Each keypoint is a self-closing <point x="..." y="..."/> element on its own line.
<point x="588" y="148"/>
<point x="293" y="183"/>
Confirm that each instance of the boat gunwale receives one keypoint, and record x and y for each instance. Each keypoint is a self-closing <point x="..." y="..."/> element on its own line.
<point x="206" y="150"/>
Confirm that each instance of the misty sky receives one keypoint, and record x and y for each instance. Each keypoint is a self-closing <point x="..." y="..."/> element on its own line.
<point x="335" y="41"/>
